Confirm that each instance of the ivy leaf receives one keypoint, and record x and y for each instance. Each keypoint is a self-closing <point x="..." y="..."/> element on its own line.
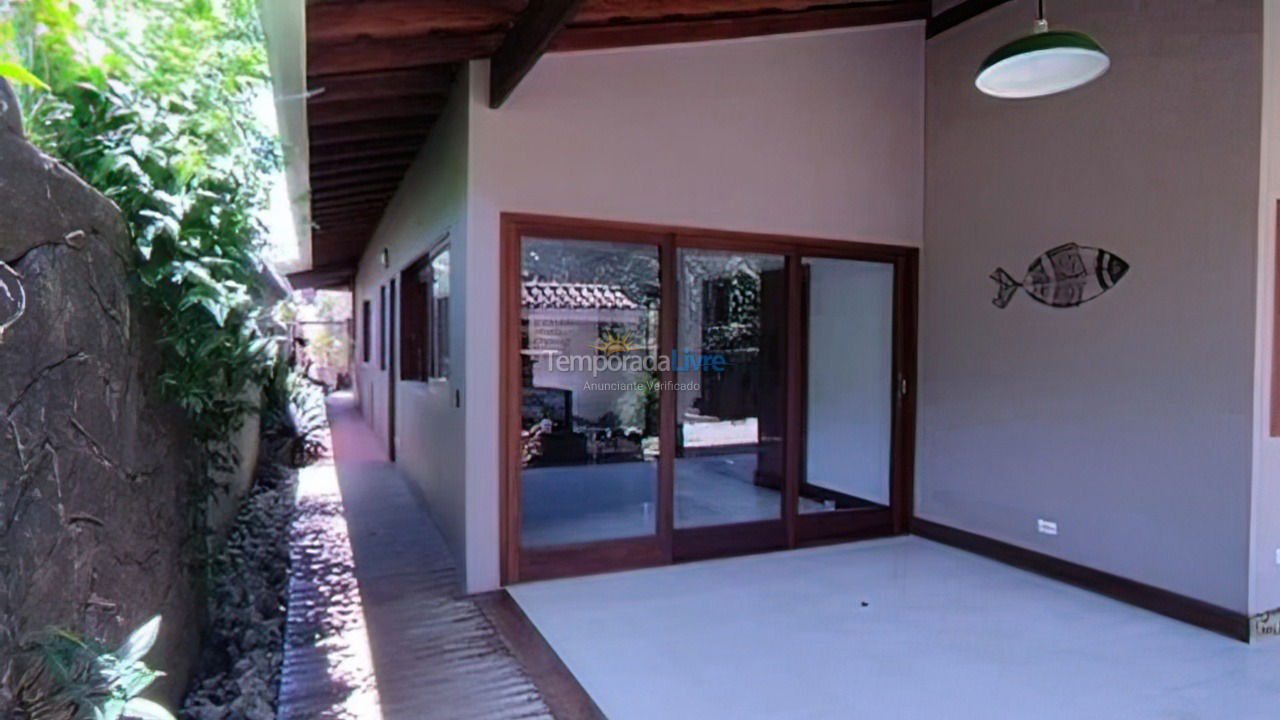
<point x="217" y="309"/>
<point x="17" y="73"/>
<point x="143" y="709"/>
<point x="111" y="709"/>
<point x="167" y="223"/>
<point x="140" y="144"/>
<point x="140" y="642"/>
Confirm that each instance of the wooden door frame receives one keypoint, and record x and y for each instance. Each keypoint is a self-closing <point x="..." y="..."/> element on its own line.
<point x="393" y="371"/>
<point x="519" y="564"/>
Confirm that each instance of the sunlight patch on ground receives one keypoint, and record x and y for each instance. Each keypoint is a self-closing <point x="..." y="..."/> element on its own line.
<point x="328" y="671"/>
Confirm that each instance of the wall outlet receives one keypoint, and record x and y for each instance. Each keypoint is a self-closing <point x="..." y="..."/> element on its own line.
<point x="1048" y="527"/>
<point x="1278" y="556"/>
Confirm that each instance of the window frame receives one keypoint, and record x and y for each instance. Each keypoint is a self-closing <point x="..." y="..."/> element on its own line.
<point x="366" y="331"/>
<point x="424" y="355"/>
<point x="382" y="327"/>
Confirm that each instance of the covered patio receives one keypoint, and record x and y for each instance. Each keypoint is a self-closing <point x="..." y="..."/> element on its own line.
<point x="896" y="628"/>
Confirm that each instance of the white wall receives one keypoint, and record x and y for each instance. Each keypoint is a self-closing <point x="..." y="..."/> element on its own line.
<point x="429" y="206"/>
<point x="818" y="135"/>
<point x="1128" y="420"/>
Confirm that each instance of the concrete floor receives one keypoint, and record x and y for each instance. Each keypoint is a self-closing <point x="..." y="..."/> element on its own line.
<point x="896" y="628"/>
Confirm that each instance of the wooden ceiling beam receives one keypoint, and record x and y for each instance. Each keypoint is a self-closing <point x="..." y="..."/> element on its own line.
<point x="335" y="227"/>
<point x="399" y="162"/>
<point x="333" y="275"/>
<point x="370" y="54"/>
<point x="528" y="39"/>
<point x="347" y="201"/>
<point x="391" y="174"/>
<point x="406" y="129"/>
<point x="335" y="224"/>
<point x="331" y="233"/>
<point x="352" y="204"/>
<point x="599" y="12"/>
<point x="343" y="21"/>
<point x="348" y="111"/>
<point x="425" y="80"/>
<point x="959" y="13"/>
<point x="371" y="209"/>
<point x="386" y="190"/>
<point x="597" y="37"/>
<point x="362" y="150"/>
<point x="339" y="237"/>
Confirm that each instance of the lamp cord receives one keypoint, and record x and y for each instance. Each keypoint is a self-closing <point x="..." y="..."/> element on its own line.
<point x="1041" y="10"/>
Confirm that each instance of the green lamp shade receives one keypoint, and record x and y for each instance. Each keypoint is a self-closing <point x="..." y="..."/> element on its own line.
<point x="1042" y="64"/>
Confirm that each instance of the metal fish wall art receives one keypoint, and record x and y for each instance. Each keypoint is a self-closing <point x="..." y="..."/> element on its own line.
<point x="1064" y="277"/>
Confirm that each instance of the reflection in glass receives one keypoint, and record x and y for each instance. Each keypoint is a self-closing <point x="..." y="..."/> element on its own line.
<point x="731" y="412"/>
<point x="589" y="320"/>
<point x="849" y="392"/>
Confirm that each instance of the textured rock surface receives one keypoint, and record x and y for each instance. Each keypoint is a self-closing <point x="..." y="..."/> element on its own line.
<point x="93" y="468"/>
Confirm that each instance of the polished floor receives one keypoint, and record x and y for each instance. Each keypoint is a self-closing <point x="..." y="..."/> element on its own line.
<point x="584" y="503"/>
<point x="895" y="628"/>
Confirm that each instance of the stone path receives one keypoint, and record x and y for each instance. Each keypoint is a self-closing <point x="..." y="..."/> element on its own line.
<point x="435" y="655"/>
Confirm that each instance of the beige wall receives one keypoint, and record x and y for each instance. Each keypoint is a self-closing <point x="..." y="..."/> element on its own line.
<point x="1131" y="421"/>
<point x="818" y="135"/>
<point x="1128" y="420"/>
<point x="1264" y="585"/>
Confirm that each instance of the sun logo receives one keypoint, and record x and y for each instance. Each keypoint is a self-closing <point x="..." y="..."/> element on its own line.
<point x="611" y="343"/>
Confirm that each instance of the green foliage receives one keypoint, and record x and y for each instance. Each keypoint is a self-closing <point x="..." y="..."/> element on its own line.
<point x="18" y="74"/>
<point x="150" y="101"/>
<point x="71" y="677"/>
<point x="295" y="413"/>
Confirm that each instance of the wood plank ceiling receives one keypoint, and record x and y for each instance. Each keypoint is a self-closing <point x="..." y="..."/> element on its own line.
<point x="380" y="72"/>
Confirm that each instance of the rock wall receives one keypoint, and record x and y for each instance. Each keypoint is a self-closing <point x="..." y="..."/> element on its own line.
<point x="94" y="469"/>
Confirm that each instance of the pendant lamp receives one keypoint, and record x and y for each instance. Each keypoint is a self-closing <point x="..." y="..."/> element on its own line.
<point x="1046" y="62"/>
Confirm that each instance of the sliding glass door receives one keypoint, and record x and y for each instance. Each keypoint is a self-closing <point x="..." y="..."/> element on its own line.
<point x="730" y="454"/>
<point x="672" y="396"/>
<point x="589" y="403"/>
<point x="846" y="467"/>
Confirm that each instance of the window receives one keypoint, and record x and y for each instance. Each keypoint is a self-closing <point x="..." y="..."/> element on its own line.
<point x="424" y="317"/>
<point x="366" y="331"/>
<point x="382" y="327"/>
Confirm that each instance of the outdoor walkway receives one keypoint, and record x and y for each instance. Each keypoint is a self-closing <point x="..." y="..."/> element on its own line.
<point x="434" y="653"/>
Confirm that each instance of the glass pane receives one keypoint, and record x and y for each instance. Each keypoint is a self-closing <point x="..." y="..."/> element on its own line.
<point x="849" y="394"/>
<point x="589" y="336"/>
<point x="439" y="320"/>
<point x="731" y="410"/>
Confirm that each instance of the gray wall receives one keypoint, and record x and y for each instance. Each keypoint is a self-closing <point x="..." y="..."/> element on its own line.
<point x="429" y="207"/>
<point x="1127" y="420"/>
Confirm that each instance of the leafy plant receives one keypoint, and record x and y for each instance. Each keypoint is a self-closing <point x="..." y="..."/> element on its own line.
<point x="295" y="411"/>
<point x="150" y="101"/>
<point x="15" y="72"/>
<point x="71" y="677"/>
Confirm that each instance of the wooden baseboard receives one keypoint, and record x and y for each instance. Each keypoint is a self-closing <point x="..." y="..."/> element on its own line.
<point x="1170" y="604"/>
<point x="559" y="688"/>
